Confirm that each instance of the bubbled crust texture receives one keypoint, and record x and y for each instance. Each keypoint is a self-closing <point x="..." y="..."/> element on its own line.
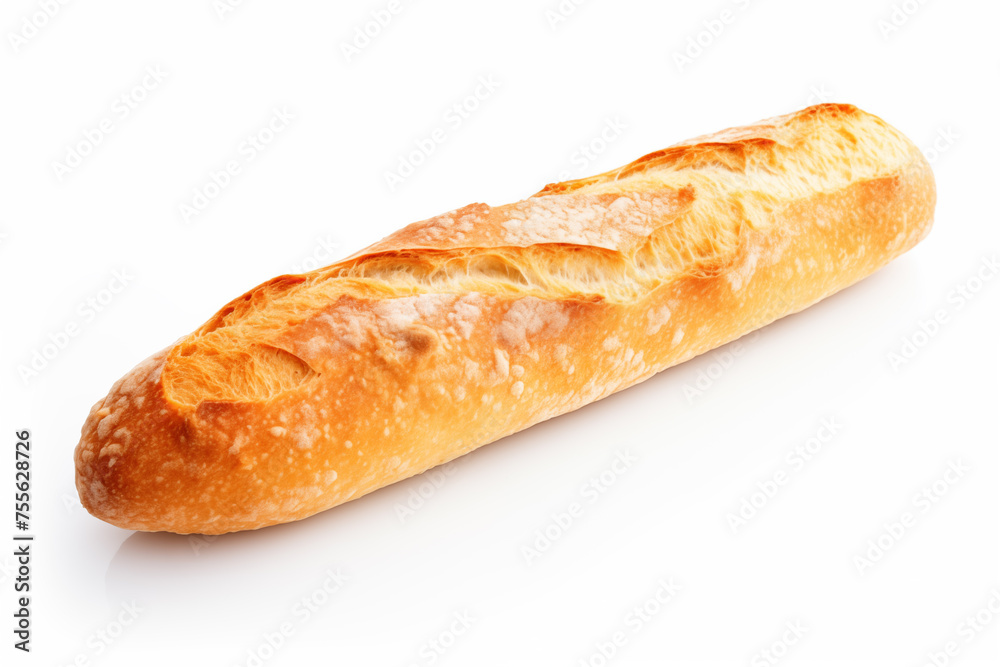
<point x="312" y="390"/>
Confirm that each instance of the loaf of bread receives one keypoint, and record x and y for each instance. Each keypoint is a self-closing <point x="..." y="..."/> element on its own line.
<point x="311" y="390"/>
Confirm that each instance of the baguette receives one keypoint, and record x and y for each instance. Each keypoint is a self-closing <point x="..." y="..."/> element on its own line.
<point x="311" y="390"/>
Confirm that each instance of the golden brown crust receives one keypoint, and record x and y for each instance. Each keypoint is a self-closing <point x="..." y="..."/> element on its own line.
<point x="311" y="390"/>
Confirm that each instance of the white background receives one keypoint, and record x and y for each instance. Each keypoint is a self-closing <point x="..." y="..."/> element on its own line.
<point x="321" y="181"/>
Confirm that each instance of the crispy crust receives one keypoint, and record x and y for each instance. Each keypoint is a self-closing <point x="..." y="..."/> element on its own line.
<point x="312" y="390"/>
